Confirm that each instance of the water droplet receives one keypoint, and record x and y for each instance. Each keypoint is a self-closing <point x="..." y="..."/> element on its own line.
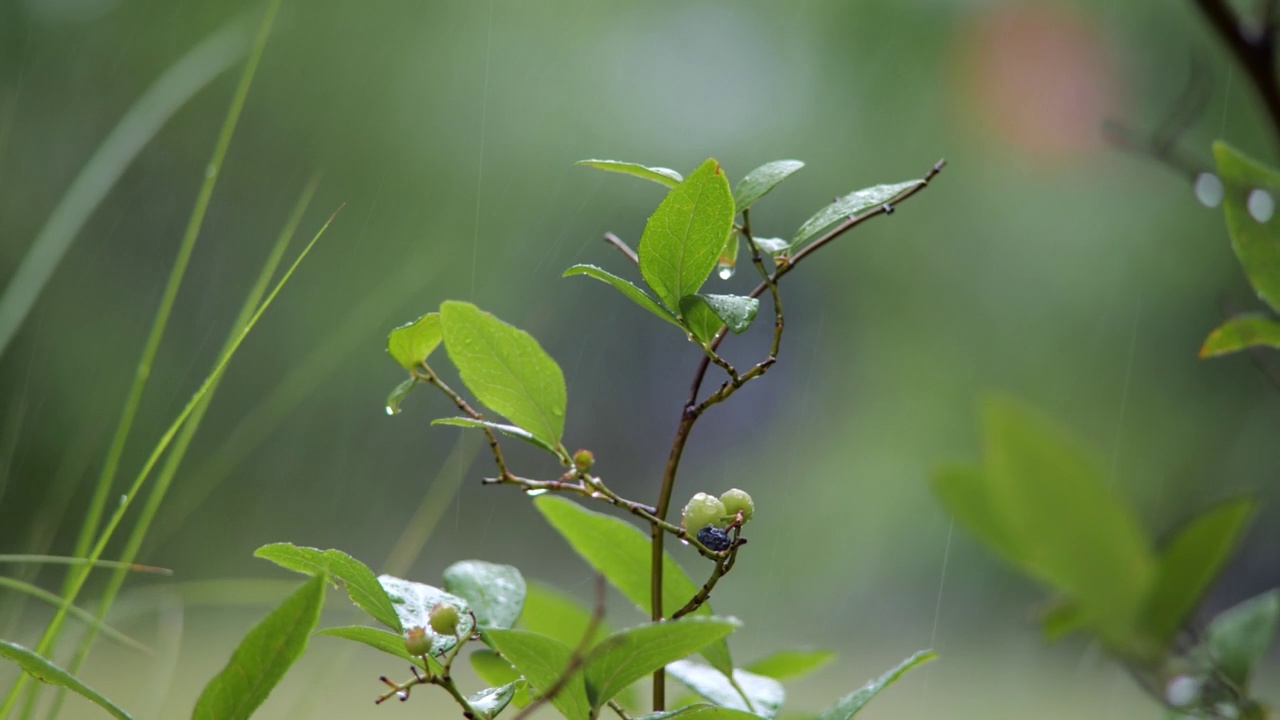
<point x="597" y="495"/>
<point x="1182" y="690"/>
<point x="1261" y="205"/>
<point x="210" y="170"/>
<point x="725" y="272"/>
<point x="391" y="410"/>
<point x="535" y="492"/>
<point x="402" y="695"/>
<point x="124" y="499"/>
<point x="684" y="541"/>
<point x="1208" y="189"/>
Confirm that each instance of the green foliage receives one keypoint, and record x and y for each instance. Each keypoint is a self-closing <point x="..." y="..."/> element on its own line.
<point x="413" y="602"/>
<point x="411" y="344"/>
<point x="542" y="661"/>
<point x="705" y="314"/>
<point x="1240" y="333"/>
<point x="45" y="671"/>
<point x="362" y="586"/>
<point x="757" y="183"/>
<point x="663" y="176"/>
<point x="764" y="695"/>
<point x="1238" y="638"/>
<point x="376" y="638"/>
<point x="1257" y="244"/>
<point x="849" y="705"/>
<point x="789" y="664"/>
<point x="549" y="612"/>
<point x="491" y="701"/>
<point x="506" y="369"/>
<point x="508" y="430"/>
<point x="263" y="656"/>
<point x="495" y="592"/>
<point x="633" y="293"/>
<point x="628" y="655"/>
<point x="701" y="711"/>
<point x="848" y="206"/>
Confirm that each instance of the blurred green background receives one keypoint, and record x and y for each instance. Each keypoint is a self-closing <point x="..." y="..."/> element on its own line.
<point x="1042" y="262"/>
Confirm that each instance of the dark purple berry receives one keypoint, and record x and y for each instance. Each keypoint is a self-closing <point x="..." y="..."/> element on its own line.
<point x="714" y="538"/>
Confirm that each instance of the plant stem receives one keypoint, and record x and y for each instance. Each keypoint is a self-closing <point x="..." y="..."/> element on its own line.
<point x="576" y="659"/>
<point x="425" y="373"/>
<point x="1256" y="55"/>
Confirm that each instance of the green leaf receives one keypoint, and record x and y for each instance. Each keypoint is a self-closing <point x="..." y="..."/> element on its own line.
<point x="549" y="612"/>
<point x="413" y="602"/>
<point x="633" y="293"/>
<point x="849" y="705"/>
<point x="1257" y="244"/>
<point x="495" y="592"/>
<point x="1242" y="332"/>
<point x="706" y="314"/>
<point x="1044" y="489"/>
<point x="772" y="246"/>
<point x="760" y="181"/>
<point x="491" y="701"/>
<point x="620" y="552"/>
<point x="787" y="664"/>
<point x="660" y="175"/>
<point x="398" y="395"/>
<point x="411" y="344"/>
<point x="965" y="494"/>
<point x="362" y="586"/>
<point x="493" y="668"/>
<point x="263" y="656"/>
<point x="1062" y="618"/>
<point x="509" y="430"/>
<point x="1238" y="637"/>
<point x="628" y="655"/>
<point x="1189" y="564"/>
<point x="701" y="711"/>
<point x="506" y="369"/>
<point x="379" y="639"/>
<point x="45" y="671"/>
<point x="685" y="235"/>
<point x="542" y="661"/>
<point x="765" y="693"/>
<point x="847" y="206"/>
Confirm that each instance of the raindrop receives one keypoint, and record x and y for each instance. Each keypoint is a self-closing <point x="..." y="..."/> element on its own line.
<point x="402" y="695"/>
<point x="596" y="495"/>
<point x="1182" y="691"/>
<point x="391" y="410"/>
<point x="210" y="170"/>
<point x="124" y="499"/>
<point x="535" y="492"/>
<point x="1261" y="205"/>
<point x="726" y="272"/>
<point x="683" y="541"/>
<point x="1208" y="189"/>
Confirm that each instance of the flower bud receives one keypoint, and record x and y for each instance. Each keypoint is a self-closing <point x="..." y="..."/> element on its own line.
<point x="444" y="619"/>
<point x="583" y="460"/>
<point x="417" y="642"/>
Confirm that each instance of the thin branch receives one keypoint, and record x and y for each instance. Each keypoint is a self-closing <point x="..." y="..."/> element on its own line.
<point x="1255" y="54"/>
<point x="722" y="568"/>
<point x="622" y="713"/>
<point x="576" y="659"/>
<point x="615" y="241"/>
<point x="426" y="374"/>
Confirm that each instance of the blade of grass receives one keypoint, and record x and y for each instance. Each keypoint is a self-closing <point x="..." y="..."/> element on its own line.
<point x="162" y="445"/>
<point x="189" y="430"/>
<point x="204" y="62"/>
<point x="74" y="611"/>
<point x="65" y="560"/>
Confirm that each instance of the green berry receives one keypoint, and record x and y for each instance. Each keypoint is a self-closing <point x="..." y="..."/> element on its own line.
<point x="736" y="501"/>
<point x="417" y="642"/>
<point x="583" y="460"/>
<point x="703" y="510"/>
<point x="444" y="619"/>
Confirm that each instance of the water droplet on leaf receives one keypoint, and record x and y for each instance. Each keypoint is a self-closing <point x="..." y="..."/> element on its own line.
<point x="1208" y="189"/>
<point x="1261" y="205"/>
<point x="535" y="492"/>
<point x="725" y="272"/>
<point x="391" y="410"/>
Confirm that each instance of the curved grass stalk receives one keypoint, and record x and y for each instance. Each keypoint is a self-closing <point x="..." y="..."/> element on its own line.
<point x="75" y="611"/>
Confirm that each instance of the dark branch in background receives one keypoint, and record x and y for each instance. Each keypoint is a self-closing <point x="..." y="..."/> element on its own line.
<point x="1162" y="144"/>
<point x="576" y="659"/>
<point x="1255" y="51"/>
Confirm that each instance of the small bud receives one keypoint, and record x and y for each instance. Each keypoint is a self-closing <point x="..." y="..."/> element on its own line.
<point x="583" y="461"/>
<point x="703" y="510"/>
<point x="714" y="538"/>
<point x="417" y="642"/>
<point x="444" y="619"/>
<point x="736" y="501"/>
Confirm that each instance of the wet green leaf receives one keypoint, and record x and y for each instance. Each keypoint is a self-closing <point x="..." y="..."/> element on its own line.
<point x="787" y="664"/>
<point x="398" y="395"/>
<point x="495" y="592"/>
<point x="765" y="693"/>
<point x="660" y="175"/>
<point x="263" y="656"/>
<point x="633" y="293"/>
<point x="378" y="639"/>
<point x="492" y="701"/>
<point x="628" y="655"/>
<point x="492" y="667"/>
<point x="549" y="612"/>
<point x="45" y="671"/>
<point x="849" y="705"/>
<point x="760" y="181"/>
<point x="685" y="235"/>
<point x="362" y="586"/>
<point x="508" y="430"/>
<point x="410" y="344"/>
<point x="706" y="314"/>
<point x="847" y="206"/>
<point x="413" y="602"/>
<point x="506" y="369"/>
<point x="621" y="552"/>
<point x="1189" y="564"/>
<point x="1257" y="244"/>
<point x="1062" y="618"/>
<point x="701" y="711"/>
<point x="1238" y="637"/>
<point x="772" y="246"/>
<point x="542" y="661"/>
<point x="964" y="493"/>
<point x="1240" y="333"/>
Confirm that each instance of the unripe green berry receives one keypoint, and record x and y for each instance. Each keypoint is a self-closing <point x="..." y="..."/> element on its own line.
<point x="417" y="642"/>
<point x="583" y="460"/>
<point x="736" y="501"/>
<point x="703" y="510"/>
<point x="444" y="619"/>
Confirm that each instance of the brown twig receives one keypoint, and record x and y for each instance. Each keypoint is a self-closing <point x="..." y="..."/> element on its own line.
<point x="576" y="659"/>
<point x="426" y="374"/>
<point x="625" y="249"/>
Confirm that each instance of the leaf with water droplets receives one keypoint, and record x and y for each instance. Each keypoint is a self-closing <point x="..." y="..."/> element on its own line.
<point x="772" y="246"/>
<point x="45" y="671"/>
<point x="765" y="694"/>
<point x="848" y="206"/>
<point x="411" y="344"/>
<point x="491" y="701"/>
<point x="1240" y="333"/>
<point x="412" y="603"/>
<point x="398" y="395"/>
<point x="684" y="236"/>
<point x="633" y="293"/>
<point x="496" y="592"/>
<point x="362" y="587"/>
<point x="849" y="705"/>
<point x="787" y="664"/>
<point x="1256" y="242"/>
<point x="628" y="655"/>
<point x="660" y="175"/>
<point x="701" y="711"/>
<point x="760" y="181"/>
<point x="543" y="661"/>
<point x="381" y="640"/>
<point x="506" y="369"/>
<point x="705" y="314"/>
<point x="509" y="430"/>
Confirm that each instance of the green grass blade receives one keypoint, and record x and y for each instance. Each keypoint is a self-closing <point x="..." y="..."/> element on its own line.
<point x="35" y="664"/>
<point x="64" y="560"/>
<point x="74" y="611"/>
<point x="206" y="61"/>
